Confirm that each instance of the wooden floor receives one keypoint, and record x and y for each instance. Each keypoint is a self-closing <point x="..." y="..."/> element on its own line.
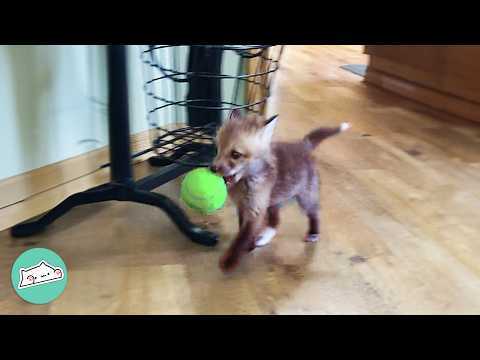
<point x="401" y="229"/>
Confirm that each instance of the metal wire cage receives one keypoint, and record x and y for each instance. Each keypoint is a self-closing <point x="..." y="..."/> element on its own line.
<point x="191" y="89"/>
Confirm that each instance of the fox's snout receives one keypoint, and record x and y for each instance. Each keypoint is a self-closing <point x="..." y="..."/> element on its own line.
<point x="216" y="169"/>
<point x="219" y="167"/>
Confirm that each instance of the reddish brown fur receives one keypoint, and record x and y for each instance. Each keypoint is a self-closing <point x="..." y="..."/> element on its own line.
<point x="266" y="176"/>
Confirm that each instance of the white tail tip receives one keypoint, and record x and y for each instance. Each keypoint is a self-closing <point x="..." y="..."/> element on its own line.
<point x="345" y="126"/>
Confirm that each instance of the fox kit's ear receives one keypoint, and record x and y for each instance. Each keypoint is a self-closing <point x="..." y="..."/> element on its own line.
<point x="235" y="114"/>
<point x="267" y="131"/>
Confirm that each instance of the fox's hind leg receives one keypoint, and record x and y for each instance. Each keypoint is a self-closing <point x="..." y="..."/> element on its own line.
<point x="309" y="202"/>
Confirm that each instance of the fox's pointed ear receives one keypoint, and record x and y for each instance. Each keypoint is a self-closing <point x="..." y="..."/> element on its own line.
<point x="235" y="114"/>
<point x="270" y="119"/>
<point x="269" y="127"/>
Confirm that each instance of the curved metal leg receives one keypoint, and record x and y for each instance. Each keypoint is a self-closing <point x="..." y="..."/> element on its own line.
<point x="119" y="192"/>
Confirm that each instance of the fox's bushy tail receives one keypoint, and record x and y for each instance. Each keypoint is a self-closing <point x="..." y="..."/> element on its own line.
<point x="314" y="138"/>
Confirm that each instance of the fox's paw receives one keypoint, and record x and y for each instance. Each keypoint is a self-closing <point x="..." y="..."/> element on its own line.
<point x="345" y="126"/>
<point x="312" y="238"/>
<point x="265" y="237"/>
<point x="228" y="262"/>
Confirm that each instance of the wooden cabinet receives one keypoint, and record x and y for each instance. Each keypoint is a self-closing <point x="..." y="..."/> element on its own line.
<point x="445" y="77"/>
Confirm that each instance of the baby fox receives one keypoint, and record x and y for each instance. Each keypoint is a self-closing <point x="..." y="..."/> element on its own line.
<point x="262" y="175"/>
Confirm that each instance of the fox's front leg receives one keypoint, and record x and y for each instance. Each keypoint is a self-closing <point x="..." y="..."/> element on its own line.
<point x="240" y="217"/>
<point x="251" y="247"/>
<point x="244" y="241"/>
<point x="270" y="228"/>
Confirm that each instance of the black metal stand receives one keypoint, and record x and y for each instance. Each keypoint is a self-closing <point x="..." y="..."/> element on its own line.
<point x="122" y="187"/>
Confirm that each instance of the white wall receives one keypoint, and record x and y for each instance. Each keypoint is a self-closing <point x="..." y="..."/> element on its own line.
<point x="53" y="102"/>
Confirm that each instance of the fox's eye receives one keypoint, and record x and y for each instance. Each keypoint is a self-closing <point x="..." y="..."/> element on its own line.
<point x="235" y="155"/>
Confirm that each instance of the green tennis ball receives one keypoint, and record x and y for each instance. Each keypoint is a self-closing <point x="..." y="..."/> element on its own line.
<point x="203" y="191"/>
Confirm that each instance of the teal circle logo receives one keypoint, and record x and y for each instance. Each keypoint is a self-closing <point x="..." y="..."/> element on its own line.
<point x="39" y="276"/>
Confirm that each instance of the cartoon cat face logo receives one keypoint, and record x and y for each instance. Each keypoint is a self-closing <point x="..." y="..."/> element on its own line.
<point x="39" y="274"/>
